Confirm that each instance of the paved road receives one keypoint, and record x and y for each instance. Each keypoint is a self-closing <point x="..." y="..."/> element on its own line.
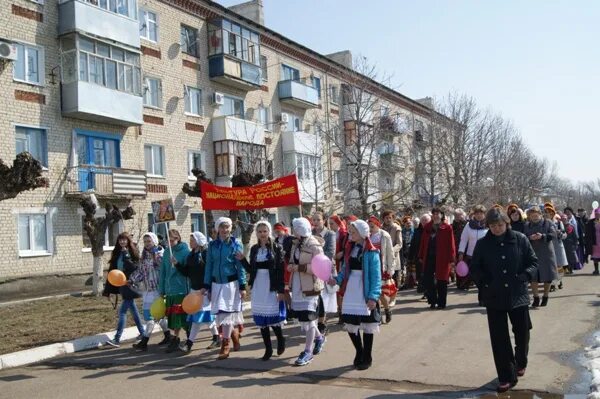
<point x="421" y="354"/>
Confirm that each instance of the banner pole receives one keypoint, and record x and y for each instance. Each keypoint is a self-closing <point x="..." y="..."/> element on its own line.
<point x="169" y="242"/>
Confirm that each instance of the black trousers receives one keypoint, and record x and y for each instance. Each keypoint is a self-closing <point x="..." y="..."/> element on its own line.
<point x="507" y="362"/>
<point x="435" y="291"/>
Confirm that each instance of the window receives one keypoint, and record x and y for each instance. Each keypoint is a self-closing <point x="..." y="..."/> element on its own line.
<point x="189" y="39"/>
<point x="196" y="160"/>
<point x="263" y="68"/>
<point x="233" y="107"/>
<point x="294" y="123"/>
<point x="154" y="160"/>
<point x="110" y="237"/>
<point x="233" y="157"/>
<point x="307" y="166"/>
<point x="316" y="83"/>
<point x="334" y="94"/>
<point x="198" y="223"/>
<point x="160" y="229"/>
<point x="33" y="141"/>
<point x="35" y="234"/>
<point x="98" y="150"/>
<point x="338" y="180"/>
<point x="385" y="110"/>
<point x="264" y="117"/>
<point x="101" y="64"/>
<point x="193" y="101"/>
<point x="127" y="8"/>
<point x="152" y="92"/>
<point x="289" y="73"/>
<point x="148" y="26"/>
<point x="226" y="37"/>
<point x="29" y="66"/>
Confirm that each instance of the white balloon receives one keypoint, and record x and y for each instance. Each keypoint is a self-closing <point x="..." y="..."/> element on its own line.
<point x="595" y="204"/>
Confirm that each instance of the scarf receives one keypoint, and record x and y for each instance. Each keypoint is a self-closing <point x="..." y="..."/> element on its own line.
<point x="476" y="225"/>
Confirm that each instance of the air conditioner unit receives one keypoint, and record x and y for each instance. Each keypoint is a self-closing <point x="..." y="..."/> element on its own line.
<point x="8" y="51"/>
<point x="285" y="118"/>
<point x="218" y="98"/>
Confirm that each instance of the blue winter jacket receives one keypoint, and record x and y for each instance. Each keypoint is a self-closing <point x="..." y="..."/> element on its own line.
<point x="371" y="265"/>
<point x="221" y="264"/>
<point x="171" y="281"/>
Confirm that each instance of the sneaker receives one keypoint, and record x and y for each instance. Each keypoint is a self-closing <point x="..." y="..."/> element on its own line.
<point x="319" y="343"/>
<point x="186" y="347"/>
<point x="113" y="342"/>
<point x="304" y="359"/>
<point x="215" y="343"/>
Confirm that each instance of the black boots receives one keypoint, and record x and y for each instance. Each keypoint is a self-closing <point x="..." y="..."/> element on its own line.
<point x="388" y="316"/>
<point x="280" y="340"/>
<point x="536" y="302"/>
<point x="166" y="339"/>
<point x="544" y="301"/>
<point x="186" y="347"/>
<point x="367" y="360"/>
<point x="173" y="345"/>
<point x="357" y="342"/>
<point x="142" y="345"/>
<point x="322" y="327"/>
<point x="215" y="343"/>
<point x="266" y="336"/>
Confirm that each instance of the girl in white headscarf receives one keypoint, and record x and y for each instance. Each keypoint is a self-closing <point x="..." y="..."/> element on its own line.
<point x="266" y="279"/>
<point x="305" y="288"/>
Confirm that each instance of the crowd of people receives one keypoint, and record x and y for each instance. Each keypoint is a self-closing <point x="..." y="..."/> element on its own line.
<point x="506" y="252"/>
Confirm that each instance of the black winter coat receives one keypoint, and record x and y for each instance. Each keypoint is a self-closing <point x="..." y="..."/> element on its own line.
<point x="590" y="237"/>
<point x="126" y="291"/>
<point x="287" y="243"/>
<point x="276" y="268"/>
<point x="194" y="269"/>
<point x="502" y="267"/>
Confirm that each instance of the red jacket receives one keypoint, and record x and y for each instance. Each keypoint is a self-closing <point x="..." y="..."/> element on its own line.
<point x="445" y="249"/>
<point x="340" y="245"/>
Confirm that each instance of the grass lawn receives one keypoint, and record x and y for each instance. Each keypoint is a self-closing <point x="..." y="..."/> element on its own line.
<point x="55" y="320"/>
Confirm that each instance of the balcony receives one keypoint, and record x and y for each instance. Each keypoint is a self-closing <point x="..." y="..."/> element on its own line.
<point x="235" y="129"/>
<point x="298" y="94"/>
<point x="301" y="143"/>
<point x="234" y="72"/>
<point x="84" y="16"/>
<point x="84" y="100"/>
<point x="105" y="182"/>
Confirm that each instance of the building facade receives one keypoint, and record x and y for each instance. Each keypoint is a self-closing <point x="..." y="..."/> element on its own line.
<point x="124" y="98"/>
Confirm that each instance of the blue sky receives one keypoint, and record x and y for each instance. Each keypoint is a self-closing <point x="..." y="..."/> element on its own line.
<point x="535" y="62"/>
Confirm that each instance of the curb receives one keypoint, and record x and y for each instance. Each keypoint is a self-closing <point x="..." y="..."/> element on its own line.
<point x="35" y="355"/>
<point x="41" y="298"/>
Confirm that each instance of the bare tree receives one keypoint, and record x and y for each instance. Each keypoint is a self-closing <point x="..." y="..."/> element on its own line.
<point x="24" y="174"/>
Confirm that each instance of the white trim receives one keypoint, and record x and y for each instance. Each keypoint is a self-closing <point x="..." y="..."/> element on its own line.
<point x="89" y="250"/>
<point x="189" y="162"/>
<point x="163" y="160"/>
<point x="146" y="87"/>
<point x="49" y="214"/>
<point x="46" y="130"/>
<point x="147" y="38"/>
<point x="187" y="98"/>
<point x="41" y="64"/>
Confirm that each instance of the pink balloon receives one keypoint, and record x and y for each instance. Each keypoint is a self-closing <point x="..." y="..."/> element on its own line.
<point x="462" y="269"/>
<point x="321" y="267"/>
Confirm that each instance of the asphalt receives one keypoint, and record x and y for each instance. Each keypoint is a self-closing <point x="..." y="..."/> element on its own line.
<point x="422" y="354"/>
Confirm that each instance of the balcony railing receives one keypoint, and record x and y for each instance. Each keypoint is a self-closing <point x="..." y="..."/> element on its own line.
<point x="106" y="182"/>
<point x="298" y="94"/>
<point x="234" y="72"/>
<point x="236" y="129"/>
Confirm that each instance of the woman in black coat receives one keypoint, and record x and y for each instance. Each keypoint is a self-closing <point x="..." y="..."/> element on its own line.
<point x="413" y="258"/>
<point x="503" y="264"/>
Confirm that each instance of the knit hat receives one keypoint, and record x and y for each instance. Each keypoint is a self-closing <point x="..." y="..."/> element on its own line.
<point x="263" y="223"/>
<point x="302" y="227"/>
<point x="375" y="221"/>
<point x="222" y="220"/>
<point x="152" y="236"/>
<point x="362" y="227"/>
<point x="549" y="208"/>
<point x="200" y="238"/>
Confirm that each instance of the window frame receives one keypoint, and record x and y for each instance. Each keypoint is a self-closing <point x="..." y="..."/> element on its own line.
<point x="47" y="213"/>
<point x="108" y="246"/>
<point x="89" y="137"/>
<point x="143" y="13"/>
<point x="41" y="64"/>
<point x="163" y="161"/>
<point x="267" y="123"/>
<point x="294" y="71"/>
<point x="264" y="68"/>
<point x="190" y="162"/>
<point x="44" y="144"/>
<point x="203" y="226"/>
<point x="185" y="48"/>
<point x="187" y="101"/>
<point x="146" y="89"/>
<point x="315" y="79"/>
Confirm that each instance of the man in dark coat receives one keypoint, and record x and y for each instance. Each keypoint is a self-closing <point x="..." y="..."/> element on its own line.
<point x="503" y="264"/>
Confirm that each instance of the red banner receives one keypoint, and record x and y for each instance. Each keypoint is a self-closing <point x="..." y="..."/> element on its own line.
<point x="272" y="194"/>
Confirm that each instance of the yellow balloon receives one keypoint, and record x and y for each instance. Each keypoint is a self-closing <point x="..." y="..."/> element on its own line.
<point x="158" y="308"/>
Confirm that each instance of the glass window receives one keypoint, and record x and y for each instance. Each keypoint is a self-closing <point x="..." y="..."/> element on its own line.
<point x="153" y="92"/>
<point x="110" y="238"/>
<point x="264" y="117"/>
<point x="97" y="151"/>
<point x="29" y="66"/>
<point x="86" y="44"/>
<point x="233" y="107"/>
<point x="198" y="222"/>
<point x="189" y="40"/>
<point x="289" y="73"/>
<point x="33" y="141"/>
<point x="334" y="98"/>
<point x="33" y="233"/>
<point x="96" y="70"/>
<point x="263" y="68"/>
<point x="193" y="101"/>
<point x="111" y="74"/>
<point x="195" y="161"/>
<point x="316" y="83"/>
<point x="127" y="8"/>
<point x="148" y="26"/>
<point x="118" y="54"/>
<point x="83" y="67"/>
<point x="103" y="49"/>
<point x="154" y="159"/>
<point x="215" y="41"/>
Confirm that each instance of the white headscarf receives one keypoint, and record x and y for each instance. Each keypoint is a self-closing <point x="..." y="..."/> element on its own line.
<point x="222" y="220"/>
<point x="362" y="227"/>
<point x="200" y="238"/>
<point x="302" y="227"/>
<point x="263" y="223"/>
<point x="152" y="236"/>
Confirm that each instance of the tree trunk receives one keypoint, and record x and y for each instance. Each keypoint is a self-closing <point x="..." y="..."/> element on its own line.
<point x="98" y="276"/>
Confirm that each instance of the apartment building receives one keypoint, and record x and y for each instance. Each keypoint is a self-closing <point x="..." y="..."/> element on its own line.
<point x="123" y="98"/>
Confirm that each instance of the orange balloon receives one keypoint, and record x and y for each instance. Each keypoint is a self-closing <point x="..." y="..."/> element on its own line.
<point x="191" y="303"/>
<point x="117" y="278"/>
